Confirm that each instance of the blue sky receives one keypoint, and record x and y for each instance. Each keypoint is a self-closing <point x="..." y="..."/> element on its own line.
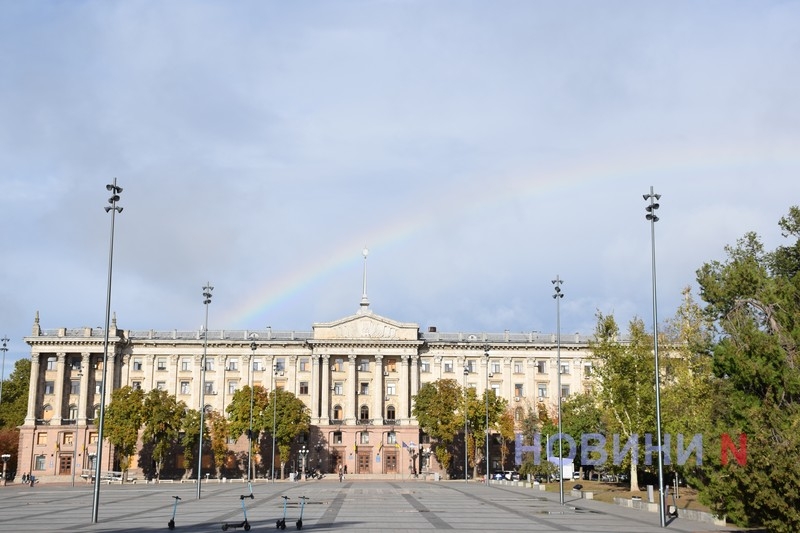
<point x="478" y="149"/>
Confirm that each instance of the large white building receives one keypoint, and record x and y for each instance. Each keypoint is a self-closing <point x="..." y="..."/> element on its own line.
<point x="357" y="375"/>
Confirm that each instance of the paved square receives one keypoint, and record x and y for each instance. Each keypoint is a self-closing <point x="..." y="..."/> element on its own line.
<point x="385" y="506"/>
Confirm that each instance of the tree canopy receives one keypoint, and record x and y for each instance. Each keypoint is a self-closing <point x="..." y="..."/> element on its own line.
<point x="15" y="395"/>
<point x="123" y="419"/>
<point x="439" y="408"/>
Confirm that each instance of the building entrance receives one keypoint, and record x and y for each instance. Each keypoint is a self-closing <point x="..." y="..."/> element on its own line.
<point x="65" y="464"/>
<point x="364" y="462"/>
<point x="390" y="462"/>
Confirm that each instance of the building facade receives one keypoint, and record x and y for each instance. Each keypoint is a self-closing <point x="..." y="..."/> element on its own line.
<point x="358" y="376"/>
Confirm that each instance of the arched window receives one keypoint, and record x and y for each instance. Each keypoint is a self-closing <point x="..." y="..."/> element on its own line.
<point x="73" y="412"/>
<point x="364" y="414"/>
<point x="518" y="414"/>
<point x="47" y="413"/>
<point x="96" y="411"/>
<point x="390" y="413"/>
<point x="337" y="412"/>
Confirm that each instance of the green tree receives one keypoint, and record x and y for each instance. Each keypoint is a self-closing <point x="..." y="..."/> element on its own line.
<point x="293" y="419"/>
<point x="15" y="395"/>
<point x="239" y="415"/>
<point x="625" y="376"/>
<point x="491" y="405"/>
<point x="753" y="299"/>
<point x="218" y="430"/>
<point x="123" y="419"/>
<point x="505" y="429"/>
<point x="163" y="416"/>
<point x="190" y="429"/>
<point x="9" y="443"/>
<point x="438" y="407"/>
<point x="580" y="415"/>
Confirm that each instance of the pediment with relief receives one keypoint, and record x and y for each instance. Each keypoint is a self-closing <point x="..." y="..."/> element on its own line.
<point x="366" y="327"/>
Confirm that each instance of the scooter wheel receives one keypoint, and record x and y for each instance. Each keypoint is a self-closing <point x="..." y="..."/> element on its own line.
<point x="299" y="524"/>
<point x="246" y="526"/>
<point x="171" y="524"/>
<point x="224" y="527"/>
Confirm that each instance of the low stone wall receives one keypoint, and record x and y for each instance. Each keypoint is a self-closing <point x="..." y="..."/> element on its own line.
<point x="689" y="514"/>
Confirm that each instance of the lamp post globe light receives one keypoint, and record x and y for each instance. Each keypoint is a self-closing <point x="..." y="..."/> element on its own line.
<point x="253" y="347"/>
<point x="651" y="208"/>
<point x="206" y="300"/>
<point x="558" y="295"/>
<point x="303" y="455"/>
<point x="114" y="209"/>
<point x="466" y="419"/>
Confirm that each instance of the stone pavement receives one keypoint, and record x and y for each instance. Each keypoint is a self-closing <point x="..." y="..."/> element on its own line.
<point x="385" y="506"/>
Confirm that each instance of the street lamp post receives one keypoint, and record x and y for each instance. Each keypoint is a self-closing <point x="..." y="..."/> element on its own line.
<point x="303" y="454"/>
<point x="486" y="393"/>
<point x="114" y="209"/>
<point x="253" y="347"/>
<point x="466" y="418"/>
<point x="558" y="295"/>
<point x="651" y="216"/>
<point x="206" y="300"/>
<point x="274" y="414"/>
<point x="4" y="349"/>
<point x="5" y="457"/>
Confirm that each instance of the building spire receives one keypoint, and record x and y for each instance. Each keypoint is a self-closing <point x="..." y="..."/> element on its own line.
<point x="364" y="300"/>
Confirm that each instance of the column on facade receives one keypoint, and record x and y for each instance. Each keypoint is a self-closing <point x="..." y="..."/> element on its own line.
<point x="219" y="379"/>
<point x="269" y="361"/>
<point x="414" y="370"/>
<point x="315" y="384"/>
<point x="111" y="372"/>
<point x="33" y="390"/>
<point x="325" y="411"/>
<point x="405" y="402"/>
<point x="483" y="375"/>
<point x="58" y="407"/>
<point x="86" y="359"/>
<point x="378" y="392"/>
<point x="437" y="367"/>
<point x="291" y="375"/>
<point x="352" y="385"/>
<point x="507" y="388"/>
<point x="197" y="379"/>
<point x="173" y="371"/>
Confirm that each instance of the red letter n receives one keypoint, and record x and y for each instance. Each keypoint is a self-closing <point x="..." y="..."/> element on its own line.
<point x="740" y="454"/>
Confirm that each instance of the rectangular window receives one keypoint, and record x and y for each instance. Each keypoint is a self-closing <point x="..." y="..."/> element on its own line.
<point x="518" y="390"/>
<point x="495" y="368"/>
<point x="161" y="385"/>
<point x="74" y="387"/>
<point x="496" y="388"/>
<point x="186" y="364"/>
<point x="184" y="387"/>
<point x="233" y="365"/>
<point x="390" y="389"/>
<point x="41" y="439"/>
<point x="470" y="366"/>
<point x="364" y="438"/>
<point x="98" y="386"/>
<point x="39" y="463"/>
<point x="93" y="437"/>
<point x="425" y="367"/>
<point x="541" y="367"/>
<point x="137" y="364"/>
<point x="257" y="365"/>
<point x="304" y="387"/>
<point x="564" y="391"/>
<point x="565" y="368"/>
<point x="391" y="438"/>
<point x="363" y="365"/>
<point x="136" y="385"/>
<point x="75" y="363"/>
<point x="337" y="437"/>
<point x="542" y="390"/>
<point x="162" y="363"/>
<point x="209" y="364"/>
<point x="51" y="363"/>
<point x="338" y="388"/>
<point x="391" y="365"/>
<point x="448" y="366"/>
<point x="338" y="365"/>
<point x="209" y="387"/>
<point x="587" y="370"/>
<point x="49" y="387"/>
<point x="518" y="367"/>
<point x="68" y="439"/>
<point x="304" y="366"/>
<point x="280" y="364"/>
<point x="363" y="388"/>
<point x="232" y="385"/>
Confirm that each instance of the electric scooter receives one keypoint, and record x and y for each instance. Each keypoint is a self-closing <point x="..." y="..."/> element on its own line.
<point x="299" y="523"/>
<point x="171" y="523"/>
<point x="281" y="522"/>
<point x="245" y="524"/>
